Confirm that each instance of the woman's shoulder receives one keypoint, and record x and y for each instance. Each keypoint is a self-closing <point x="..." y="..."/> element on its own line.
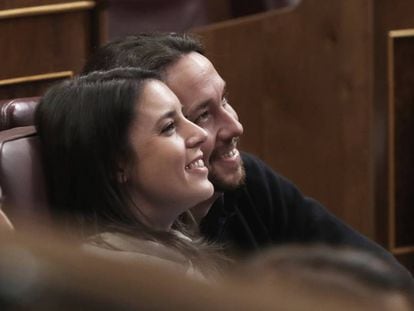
<point x="124" y="247"/>
<point x="124" y="243"/>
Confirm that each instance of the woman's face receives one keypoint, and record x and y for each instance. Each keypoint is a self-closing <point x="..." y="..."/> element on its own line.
<point x="168" y="175"/>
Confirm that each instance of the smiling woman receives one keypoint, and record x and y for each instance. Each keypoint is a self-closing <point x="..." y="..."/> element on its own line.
<point x="123" y="164"/>
<point x="169" y="175"/>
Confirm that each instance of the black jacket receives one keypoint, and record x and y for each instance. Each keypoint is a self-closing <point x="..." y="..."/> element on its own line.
<point x="270" y="210"/>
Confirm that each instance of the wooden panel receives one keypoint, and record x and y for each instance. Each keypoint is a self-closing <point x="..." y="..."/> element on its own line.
<point x="321" y="119"/>
<point x="27" y="86"/>
<point x="401" y="147"/>
<point x="15" y="4"/>
<point x="46" y="9"/>
<point x="301" y="83"/>
<point x="62" y="44"/>
<point x="59" y="37"/>
<point x="389" y="15"/>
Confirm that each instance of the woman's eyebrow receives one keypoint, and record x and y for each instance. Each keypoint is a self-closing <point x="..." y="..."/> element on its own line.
<point x="168" y="114"/>
<point x="225" y="90"/>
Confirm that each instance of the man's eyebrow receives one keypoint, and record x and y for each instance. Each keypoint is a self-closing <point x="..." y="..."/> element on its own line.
<point x="199" y="106"/>
<point x="204" y="104"/>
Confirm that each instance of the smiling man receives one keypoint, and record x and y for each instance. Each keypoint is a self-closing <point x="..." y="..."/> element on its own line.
<point x="202" y="93"/>
<point x="253" y="207"/>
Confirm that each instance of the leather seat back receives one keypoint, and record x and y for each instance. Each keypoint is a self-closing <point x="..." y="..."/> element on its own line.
<point x="22" y="181"/>
<point x="17" y="112"/>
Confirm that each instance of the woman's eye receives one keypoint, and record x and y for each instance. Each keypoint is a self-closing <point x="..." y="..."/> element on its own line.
<point x="202" y="117"/>
<point x="169" y="128"/>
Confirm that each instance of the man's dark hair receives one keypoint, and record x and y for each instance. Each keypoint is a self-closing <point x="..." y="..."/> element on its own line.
<point x="151" y="51"/>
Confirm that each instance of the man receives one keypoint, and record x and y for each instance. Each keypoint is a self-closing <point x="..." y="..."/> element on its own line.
<point x="253" y="207"/>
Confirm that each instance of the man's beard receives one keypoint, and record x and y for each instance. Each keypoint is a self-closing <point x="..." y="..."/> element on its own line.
<point x="221" y="184"/>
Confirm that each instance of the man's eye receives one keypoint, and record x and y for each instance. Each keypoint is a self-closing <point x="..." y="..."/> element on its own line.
<point x="202" y="117"/>
<point x="169" y="128"/>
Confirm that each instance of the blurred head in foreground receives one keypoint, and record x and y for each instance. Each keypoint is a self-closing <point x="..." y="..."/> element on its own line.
<point x="321" y="276"/>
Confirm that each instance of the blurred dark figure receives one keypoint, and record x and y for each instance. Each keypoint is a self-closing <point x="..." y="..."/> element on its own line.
<point x="132" y="16"/>
<point x="325" y="275"/>
<point x="247" y="7"/>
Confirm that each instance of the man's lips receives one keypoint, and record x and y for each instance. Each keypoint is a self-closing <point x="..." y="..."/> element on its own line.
<point x="228" y="152"/>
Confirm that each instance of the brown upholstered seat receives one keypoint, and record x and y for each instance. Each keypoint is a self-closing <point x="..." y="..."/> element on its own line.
<point x="17" y="112"/>
<point x="22" y="183"/>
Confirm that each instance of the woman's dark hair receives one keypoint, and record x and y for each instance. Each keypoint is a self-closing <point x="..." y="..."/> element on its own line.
<point x="83" y="125"/>
<point x="151" y="51"/>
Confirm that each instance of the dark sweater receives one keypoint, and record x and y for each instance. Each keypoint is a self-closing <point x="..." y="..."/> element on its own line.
<point x="270" y="210"/>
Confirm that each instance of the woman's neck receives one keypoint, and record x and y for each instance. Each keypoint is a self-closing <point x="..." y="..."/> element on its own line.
<point x="160" y="217"/>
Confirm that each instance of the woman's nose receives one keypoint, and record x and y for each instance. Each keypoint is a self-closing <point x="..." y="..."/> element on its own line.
<point x="196" y="135"/>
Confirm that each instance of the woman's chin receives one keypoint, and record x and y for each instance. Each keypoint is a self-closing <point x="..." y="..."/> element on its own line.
<point x="204" y="192"/>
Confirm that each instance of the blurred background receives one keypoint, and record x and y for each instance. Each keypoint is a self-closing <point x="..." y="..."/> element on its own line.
<point x="129" y="16"/>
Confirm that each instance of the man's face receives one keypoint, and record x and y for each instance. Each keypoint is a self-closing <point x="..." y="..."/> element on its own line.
<point x="202" y="92"/>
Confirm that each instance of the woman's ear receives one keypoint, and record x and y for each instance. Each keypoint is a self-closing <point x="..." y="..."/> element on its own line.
<point x="122" y="176"/>
<point x="124" y="170"/>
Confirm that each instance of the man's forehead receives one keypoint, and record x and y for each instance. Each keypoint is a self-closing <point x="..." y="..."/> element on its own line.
<point x="190" y="69"/>
<point x="203" y="97"/>
<point x="195" y="81"/>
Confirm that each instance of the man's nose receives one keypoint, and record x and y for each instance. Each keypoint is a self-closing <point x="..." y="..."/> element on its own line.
<point x="229" y="125"/>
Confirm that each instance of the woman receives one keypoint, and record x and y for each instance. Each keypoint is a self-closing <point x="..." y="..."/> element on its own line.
<point x="123" y="163"/>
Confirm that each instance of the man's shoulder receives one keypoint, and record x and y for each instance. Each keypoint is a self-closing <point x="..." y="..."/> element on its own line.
<point x="259" y="175"/>
<point x="270" y="193"/>
<point x="264" y="191"/>
<point x="255" y="168"/>
<point x="252" y="161"/>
